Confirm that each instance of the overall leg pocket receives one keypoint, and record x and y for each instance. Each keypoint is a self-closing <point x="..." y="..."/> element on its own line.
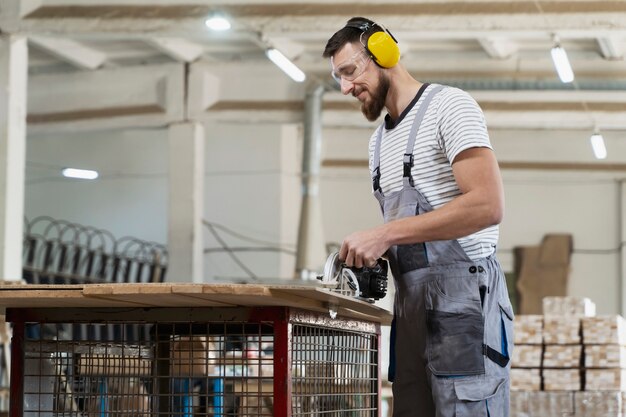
<point x="455" y="327"/>
<point x="481" y="397"/>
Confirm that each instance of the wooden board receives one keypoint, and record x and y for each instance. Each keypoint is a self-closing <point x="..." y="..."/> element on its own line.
<point x="598" y="403"/>
<point x="605" y="356"/>
<point x="551" y="404"/>
<point x="612" y="379"/>
<point x="525" y="379"/>
<point x="325" y="295"/>
<point x="528" y="329"/>
<point x="527" y="356"/>
<point x="152" y="295"/>
<point x="189" y="295"/>
<point x="606" y="329"/>
<point x="55" y="298"/>
<point x="561" y="380"/>
<point x="562" y="356"/>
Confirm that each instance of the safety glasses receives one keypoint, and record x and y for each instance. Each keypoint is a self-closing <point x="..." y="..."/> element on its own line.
<point x="351" y="68"/>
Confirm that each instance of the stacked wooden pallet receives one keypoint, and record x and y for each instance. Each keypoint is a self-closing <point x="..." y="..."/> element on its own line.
<point x="605" y="353"/>
<point x="569" y="362"/>
<point x="527" y="354"/>
<point x="562" y="352"/>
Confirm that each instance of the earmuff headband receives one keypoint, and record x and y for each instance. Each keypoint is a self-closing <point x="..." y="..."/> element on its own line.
<point x="381" y="44"/>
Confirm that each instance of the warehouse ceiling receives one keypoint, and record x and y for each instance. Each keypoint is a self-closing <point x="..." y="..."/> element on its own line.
<point x="494" y="48"/>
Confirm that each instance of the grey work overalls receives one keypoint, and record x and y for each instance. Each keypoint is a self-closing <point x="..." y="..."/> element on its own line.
<point x="452" y="334"/>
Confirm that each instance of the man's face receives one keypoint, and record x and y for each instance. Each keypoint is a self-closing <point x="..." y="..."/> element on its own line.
<point x="359" y="76"/>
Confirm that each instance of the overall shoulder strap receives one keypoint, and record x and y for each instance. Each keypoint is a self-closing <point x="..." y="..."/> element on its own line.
<point x="419" y="117"/>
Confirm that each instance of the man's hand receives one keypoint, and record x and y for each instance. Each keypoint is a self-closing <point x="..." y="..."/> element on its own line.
<point x="363" y="248"/>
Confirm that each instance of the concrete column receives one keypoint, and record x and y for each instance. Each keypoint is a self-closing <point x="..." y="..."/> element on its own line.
<point x="13" y="76"/>
<point x="621" y="187"/>
<point x="186" y="194"/>
<point x="311" y="252"/>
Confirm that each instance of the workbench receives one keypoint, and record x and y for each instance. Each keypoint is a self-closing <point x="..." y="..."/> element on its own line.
<point x="187" y="349"/>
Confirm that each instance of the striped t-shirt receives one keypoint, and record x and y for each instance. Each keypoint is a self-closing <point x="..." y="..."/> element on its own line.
<point x="453" y="123"/>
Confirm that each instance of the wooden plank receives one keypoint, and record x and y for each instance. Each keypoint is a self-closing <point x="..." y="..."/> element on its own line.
<point x="300" y="301"/>
<point x="190" y="295"/>
<point x="562" y="356"/>
<point x="568" y="306"/>
<point x="18" y="287"/>
<point x="605" y="356"/>
<point x="551" y="404"/>
<point x="329" y="297"/>
<point x="528" y="329"/>
<point x="561" y="330"/>
<point x="153" y="295"/>
<point x="263" y="296"/>
<point x="56" y="298"/>
<point x="611" y="379"/>
<point x="561" y="380"/>
<point x="257" y="296"/>
<point x="598" y="403"/>
<point x="527" y="356"/>
<point x="233" y="294"/>
<point x="605" y="329"/>
<point x="525" y="379"/>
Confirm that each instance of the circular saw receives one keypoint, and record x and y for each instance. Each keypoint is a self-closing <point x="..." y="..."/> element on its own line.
<point x="365" y="283"/>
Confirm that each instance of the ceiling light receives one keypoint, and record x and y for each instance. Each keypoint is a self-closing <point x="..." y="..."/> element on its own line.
<point x="217" y="22"/>
<point x="83" y="174"/>
<point x="562" y="65"/>
<point x="597" y="144"/>
<point x="285" y="64"/>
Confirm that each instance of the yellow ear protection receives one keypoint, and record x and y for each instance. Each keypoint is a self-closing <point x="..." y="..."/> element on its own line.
<point x="381" y="45"/>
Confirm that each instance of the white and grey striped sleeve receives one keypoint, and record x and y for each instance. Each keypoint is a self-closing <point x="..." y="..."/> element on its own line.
<point x="460" y="123"/>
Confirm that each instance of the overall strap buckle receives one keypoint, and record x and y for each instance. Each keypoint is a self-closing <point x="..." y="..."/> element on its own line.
<point x="408" y="164"/>
<point x="376" y="179"/>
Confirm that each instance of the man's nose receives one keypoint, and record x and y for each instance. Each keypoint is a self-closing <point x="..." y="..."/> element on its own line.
<point x="346" y="86"/>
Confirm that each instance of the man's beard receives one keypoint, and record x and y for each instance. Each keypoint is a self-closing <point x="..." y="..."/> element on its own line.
<point x="371" y="110"/>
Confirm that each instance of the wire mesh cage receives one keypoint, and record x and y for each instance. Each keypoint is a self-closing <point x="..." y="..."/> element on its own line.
<point x="193" y="362"/>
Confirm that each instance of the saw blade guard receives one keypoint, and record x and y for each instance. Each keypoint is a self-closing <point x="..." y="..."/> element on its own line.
<point x="332" y="271"/>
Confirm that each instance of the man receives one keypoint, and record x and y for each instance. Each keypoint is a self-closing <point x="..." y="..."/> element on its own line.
<point x="438" y="183"/>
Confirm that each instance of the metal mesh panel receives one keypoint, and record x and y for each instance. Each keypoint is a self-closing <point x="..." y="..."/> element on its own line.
<point x="206" y="369"/>
<point x="335" y="372"/>
<point x="199" y="362"/>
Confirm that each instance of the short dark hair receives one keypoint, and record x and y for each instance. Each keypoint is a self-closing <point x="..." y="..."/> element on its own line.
<point x="351" y="32"/>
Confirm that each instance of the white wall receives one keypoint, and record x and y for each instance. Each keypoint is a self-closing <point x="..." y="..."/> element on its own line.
<point x="130" y="197"/>
<point x="252" y="186"/>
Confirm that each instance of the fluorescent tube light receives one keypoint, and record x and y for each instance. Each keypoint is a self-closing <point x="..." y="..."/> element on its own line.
<point x="597" y="144"/>
<point x="285" y="64"/>
<point x="83" y="174"/>
<point x="562" y="65"/>
<point x="217" y="22"/>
